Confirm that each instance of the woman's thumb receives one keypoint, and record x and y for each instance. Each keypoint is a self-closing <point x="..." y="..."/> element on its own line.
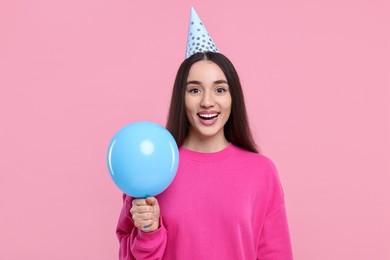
<point x="152" y="201"/>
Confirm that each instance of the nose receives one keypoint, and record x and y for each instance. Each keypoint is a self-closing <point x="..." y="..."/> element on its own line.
<point x="207" y="100"/>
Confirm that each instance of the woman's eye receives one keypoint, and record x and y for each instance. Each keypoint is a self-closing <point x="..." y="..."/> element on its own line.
<point x="221" y="90"/>
<point x="193" y="90"/>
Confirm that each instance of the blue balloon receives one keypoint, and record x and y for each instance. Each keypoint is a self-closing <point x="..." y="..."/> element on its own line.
<point x="143" y="159"/>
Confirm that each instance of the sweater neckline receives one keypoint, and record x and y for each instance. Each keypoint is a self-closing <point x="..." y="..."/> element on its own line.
<point x="207" y="157"/>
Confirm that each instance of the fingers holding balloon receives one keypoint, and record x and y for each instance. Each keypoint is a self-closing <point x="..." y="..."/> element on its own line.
<point x="145" y="216"/>
<point x="138" y="217"/>
<point x="142" y="216"/>
<point x="141" y="206"/>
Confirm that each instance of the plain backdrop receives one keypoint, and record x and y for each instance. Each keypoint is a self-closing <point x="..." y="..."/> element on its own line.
<point x="316" y="80"/>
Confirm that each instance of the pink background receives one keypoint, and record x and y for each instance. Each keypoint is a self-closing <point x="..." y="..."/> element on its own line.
<point x="316" y="79"/>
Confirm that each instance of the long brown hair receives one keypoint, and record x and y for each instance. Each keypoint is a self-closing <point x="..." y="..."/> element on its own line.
<point x="236" y="129"/>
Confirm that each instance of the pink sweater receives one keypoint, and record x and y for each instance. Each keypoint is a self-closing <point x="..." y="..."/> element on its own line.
<point x="223" y="205"/>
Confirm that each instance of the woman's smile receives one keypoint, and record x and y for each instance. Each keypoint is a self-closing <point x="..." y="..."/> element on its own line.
<point x="208" y="118"/>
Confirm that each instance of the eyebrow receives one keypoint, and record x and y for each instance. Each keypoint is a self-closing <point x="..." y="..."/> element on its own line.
<point x="221" y="81"/>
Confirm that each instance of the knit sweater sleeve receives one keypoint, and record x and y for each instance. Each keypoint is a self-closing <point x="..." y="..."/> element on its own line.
<point x="275" y="242"/>
<point x="136" y="244"/>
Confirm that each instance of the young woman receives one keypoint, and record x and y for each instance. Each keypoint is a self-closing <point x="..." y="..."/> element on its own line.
<point x="226" y="201"/>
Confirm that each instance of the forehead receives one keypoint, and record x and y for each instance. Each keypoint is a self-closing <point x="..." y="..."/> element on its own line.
<point x="206" y="70"/>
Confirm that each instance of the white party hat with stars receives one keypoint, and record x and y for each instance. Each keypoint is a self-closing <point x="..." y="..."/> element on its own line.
<point x="198" y="39"/>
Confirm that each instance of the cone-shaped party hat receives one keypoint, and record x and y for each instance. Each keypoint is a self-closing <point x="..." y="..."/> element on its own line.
<point x="198" y="39"/>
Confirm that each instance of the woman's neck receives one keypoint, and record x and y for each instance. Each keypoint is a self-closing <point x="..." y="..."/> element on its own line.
<point x="206" y="145"/>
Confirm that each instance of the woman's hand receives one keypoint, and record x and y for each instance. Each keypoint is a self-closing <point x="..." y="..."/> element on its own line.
<point x="146" y="214"/>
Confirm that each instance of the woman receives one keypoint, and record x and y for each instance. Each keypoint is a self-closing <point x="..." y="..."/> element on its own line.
<point x="226" y="201"/>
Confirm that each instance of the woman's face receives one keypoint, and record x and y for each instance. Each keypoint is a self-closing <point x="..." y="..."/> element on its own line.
<point x="208" y="101"/>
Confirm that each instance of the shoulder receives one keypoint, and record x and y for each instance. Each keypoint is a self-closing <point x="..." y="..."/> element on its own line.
<point x="253" y="158"/>
<point x="259" y="165"/>
<point x="260" y="172"/>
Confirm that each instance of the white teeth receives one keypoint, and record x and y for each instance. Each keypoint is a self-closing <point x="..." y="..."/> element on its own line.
<point x="208" y="115"/>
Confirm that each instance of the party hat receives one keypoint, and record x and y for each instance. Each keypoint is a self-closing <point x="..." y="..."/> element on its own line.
<point x="198" y="38"/>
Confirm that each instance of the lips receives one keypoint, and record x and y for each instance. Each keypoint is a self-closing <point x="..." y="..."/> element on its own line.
<point x="208" y="118"/>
